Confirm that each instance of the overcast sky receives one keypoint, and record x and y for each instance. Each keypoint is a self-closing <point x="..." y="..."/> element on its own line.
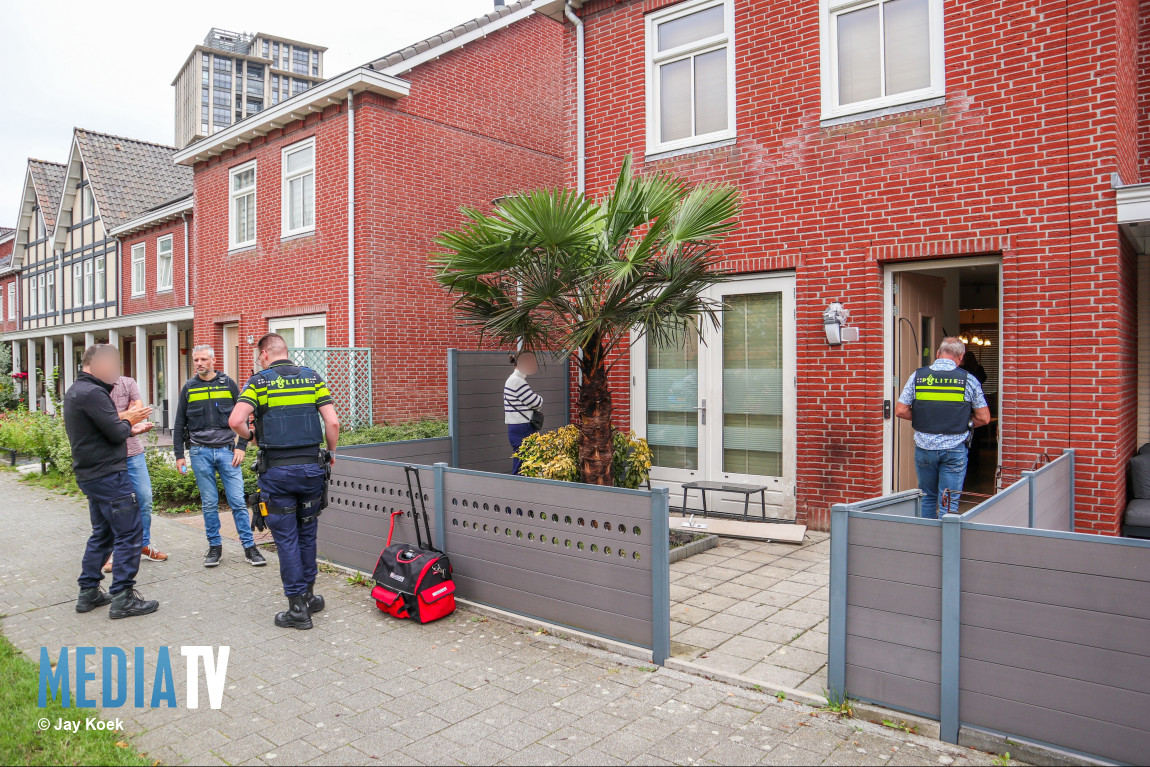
<point x="108" y="66"/>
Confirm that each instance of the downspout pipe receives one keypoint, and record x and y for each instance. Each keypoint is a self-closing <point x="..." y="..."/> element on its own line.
<point x="580" y="109"/>
<point x="351" y="218"/>
<point x="187" y="274"/>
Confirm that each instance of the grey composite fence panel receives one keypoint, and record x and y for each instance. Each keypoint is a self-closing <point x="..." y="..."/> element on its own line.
<point x="1011" y="507"/>
<point x="1054" y="495"/>
<point x="363" y="493"/>
<point x="422" y="452"/>
<point x="476" y="406"/>
<point x="893" y="598"/>
<point x="1053" y="640"/>
<point x="579" y="556"/>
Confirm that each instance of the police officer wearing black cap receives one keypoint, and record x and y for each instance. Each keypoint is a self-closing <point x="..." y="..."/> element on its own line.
<point x="293" y="414"/>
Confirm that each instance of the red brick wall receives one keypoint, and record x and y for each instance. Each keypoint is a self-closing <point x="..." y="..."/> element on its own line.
<point x="480" y="122"/>
<point x="5" y="325"/>
<point x="987" y="172"/>
<point x="152" y="300"/>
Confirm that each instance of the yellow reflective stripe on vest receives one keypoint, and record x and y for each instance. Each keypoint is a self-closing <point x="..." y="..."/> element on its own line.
<point x="940" y="396"/>
<point x="195" y="395"/>
<point x="294" y="399"/>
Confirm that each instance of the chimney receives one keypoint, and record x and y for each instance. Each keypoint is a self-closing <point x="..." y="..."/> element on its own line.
<point x="499" y="3"/>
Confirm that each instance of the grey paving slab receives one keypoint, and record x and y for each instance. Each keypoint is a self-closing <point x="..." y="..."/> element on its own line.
<point x="361" y="688"/>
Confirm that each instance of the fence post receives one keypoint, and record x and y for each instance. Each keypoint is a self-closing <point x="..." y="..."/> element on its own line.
<point x="453" y="404"/>
<point x="1069" y="452"/>
<point x="660" y="576"/>
<point x="951" y="626"/>
<point x="1031" y="493"/>
<point x="837" y="641"/>
<point x="438" y="496"/>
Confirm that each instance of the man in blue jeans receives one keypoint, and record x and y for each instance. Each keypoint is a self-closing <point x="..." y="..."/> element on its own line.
<point x="206" y="403"/>
<point x="943" y="403"/>
<point x="125" y="395"/>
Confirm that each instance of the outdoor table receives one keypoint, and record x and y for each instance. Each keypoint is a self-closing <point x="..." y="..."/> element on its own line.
<point x="727" y="487"/>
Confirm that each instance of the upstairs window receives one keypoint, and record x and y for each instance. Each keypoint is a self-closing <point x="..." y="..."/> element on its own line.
<point x="138" y="269"/>
<point x="242" y="228"/>
<point x="164" y="263"/>
<point x="299" y="188"/>
<point x="690" y="75"/>
<point x="87" y="205"/>
<point x="101" y="284"/>
<point x="50" y="291"/>
<point x="77" y="285"/>
<point x="89" y="284"/>
<point x="880" y="53"/>
<point x="11" y="300"/>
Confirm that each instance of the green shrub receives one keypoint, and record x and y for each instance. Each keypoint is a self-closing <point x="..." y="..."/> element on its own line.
<point x="171" y="488"/>
<point x="555" y="455"/>
<point x="38" y="435"/>
<point x="9" y="399"/>
<point x="366" y="435"/>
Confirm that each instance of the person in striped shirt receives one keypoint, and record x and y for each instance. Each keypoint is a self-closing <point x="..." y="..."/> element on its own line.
<point x="520" y="402"/>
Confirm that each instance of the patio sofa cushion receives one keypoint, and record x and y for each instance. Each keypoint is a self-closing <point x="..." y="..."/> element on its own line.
<point x="1138" y="513"/>
<point x="1140" y="476"/>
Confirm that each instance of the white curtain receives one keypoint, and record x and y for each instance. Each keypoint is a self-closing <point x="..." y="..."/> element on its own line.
<point x="858" y="55"/>
<point x="906" y="32"/>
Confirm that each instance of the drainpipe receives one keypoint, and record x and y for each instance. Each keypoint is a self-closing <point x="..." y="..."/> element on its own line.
<point x="187" y="275"/>
<point x="350" y="218"/>
<point x="580" y="140"/>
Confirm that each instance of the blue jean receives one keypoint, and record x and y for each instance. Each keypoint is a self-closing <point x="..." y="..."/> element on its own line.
<point x="142" y="482"/>
<point x="115" y="520"/>
<point x="516" y="433"/>
<point x="207" y="462"/>
<point x="940" y="470"/>
<point x="283" y="489"/>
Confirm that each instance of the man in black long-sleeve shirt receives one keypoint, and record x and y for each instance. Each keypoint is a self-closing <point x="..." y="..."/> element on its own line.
<point x="98" y="434"/>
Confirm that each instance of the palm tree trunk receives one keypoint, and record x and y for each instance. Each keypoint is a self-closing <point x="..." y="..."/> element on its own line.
<point x="596" y="447"/>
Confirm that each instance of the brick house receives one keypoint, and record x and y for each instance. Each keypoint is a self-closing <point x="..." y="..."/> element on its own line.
<point x="315" y="217"/>
<point x="955" y="173"/>
<point x="9" y="304"/>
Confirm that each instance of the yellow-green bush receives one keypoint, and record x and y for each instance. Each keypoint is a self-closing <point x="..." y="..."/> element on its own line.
<point x="555" y="455"/>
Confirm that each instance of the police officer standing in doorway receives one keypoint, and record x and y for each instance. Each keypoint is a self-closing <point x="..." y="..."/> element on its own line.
<point x="289" y="402"/>
<point x="943" y="402"/>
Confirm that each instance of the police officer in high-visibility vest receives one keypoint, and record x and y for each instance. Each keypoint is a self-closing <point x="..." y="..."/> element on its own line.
<point x="944" y="403"/>
<point x="293" y="414"/>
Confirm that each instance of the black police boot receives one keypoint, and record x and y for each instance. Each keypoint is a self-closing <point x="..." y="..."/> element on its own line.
<point x="315" y="603"/>
<point x="128" y="604"/>
<point x="297" y="615"/>
<point x="254" y="557"/>
<point x="95" y="597"/>
<point x="212" y="558"/>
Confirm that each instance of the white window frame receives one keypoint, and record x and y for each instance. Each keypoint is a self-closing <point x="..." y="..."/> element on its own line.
<point x="50" y="290"/>
<point x="654" y="59"/>
<point x="285" y="213"/>
<point x="160" y="287"/>
<point x="77" y="284"/>
<point x="87" y="201"/>
<point x="233" y="244"/>
<point x="89" y="282"/>
<point x="41" y="294"/>
<point x="12" y="300"/>
<point x="139" y="254"/>
<point x="297" y="325"/>
<point x="101" y="278"/>
<point x="828" y="10"/>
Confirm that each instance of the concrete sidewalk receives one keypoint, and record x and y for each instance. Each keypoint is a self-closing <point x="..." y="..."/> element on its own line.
<point x="362" y="688"/>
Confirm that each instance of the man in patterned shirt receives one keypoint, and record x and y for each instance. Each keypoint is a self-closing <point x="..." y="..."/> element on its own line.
<point x="943" y="402"/>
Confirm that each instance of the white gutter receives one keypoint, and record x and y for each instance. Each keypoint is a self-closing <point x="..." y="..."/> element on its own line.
<point x="351" y="218"/>
<point x="580" y="138"/>
<point x="187" y="276"/>
<point x="153" y="218"/>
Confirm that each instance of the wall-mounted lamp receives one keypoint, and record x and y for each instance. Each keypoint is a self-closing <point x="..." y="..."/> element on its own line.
<point x="835" y="324"/>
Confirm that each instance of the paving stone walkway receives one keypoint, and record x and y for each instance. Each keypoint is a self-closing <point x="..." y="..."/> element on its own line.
<point x="755" y="609"/>
<point x="362" y="688"/>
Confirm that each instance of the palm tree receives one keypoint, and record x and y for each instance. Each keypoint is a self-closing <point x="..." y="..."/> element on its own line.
<point x="561" y="272"/>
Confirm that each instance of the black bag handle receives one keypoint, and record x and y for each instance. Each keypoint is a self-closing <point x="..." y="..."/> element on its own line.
<point x="408" y="471"/>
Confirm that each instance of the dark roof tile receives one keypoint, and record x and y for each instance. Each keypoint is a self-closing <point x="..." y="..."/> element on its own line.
<point x="130" y="177"/>
<point x="48" y="181"/>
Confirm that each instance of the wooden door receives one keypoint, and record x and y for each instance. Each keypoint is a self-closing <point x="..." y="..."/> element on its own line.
<point x="918" y="302"/>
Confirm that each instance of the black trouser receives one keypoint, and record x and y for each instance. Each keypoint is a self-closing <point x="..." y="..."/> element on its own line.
<point x="116" y="527"/>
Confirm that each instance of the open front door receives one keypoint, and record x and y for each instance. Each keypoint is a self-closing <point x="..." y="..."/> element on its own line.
<point x="918" y="305"/>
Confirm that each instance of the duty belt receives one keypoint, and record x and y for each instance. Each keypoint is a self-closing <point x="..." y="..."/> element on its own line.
<point x="265" y="461"/>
